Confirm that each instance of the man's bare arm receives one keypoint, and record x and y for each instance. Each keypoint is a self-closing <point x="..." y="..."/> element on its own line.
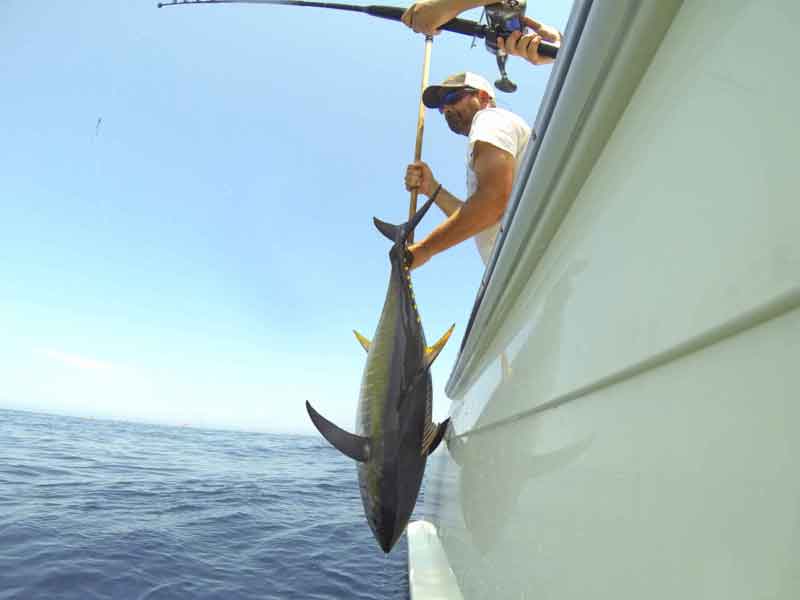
<point x="494" y="169"/>
<point x="447" y="202"/>
<point x="426" y="16"/>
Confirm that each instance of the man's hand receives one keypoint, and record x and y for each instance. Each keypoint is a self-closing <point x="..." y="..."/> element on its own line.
<point x="420" y="254"/>
<point x="527" y="46"/>
<point x="420" y="178"/>
<point x="426" y="16"/>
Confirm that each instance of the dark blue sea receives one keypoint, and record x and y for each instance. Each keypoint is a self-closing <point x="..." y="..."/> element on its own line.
<point x="104" y="509"/>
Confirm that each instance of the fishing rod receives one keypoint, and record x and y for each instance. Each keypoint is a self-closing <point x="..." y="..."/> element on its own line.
<point x="503" y="19"/>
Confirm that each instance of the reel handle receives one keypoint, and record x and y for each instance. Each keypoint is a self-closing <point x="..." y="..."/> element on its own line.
<point x="504" y="84"/>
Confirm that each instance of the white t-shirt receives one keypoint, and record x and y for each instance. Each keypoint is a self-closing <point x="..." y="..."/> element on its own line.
<point x="507" y="131"/>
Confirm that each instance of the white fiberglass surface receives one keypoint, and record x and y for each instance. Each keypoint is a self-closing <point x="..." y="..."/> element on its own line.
<point x="680" y="482"/>
<point x="633" y="435"/>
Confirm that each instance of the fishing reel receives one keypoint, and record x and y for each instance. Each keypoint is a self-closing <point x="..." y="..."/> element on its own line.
<point x="503" y="19"/>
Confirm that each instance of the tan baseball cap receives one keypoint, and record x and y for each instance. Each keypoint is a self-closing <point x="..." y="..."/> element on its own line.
<point x="433" y="94"/>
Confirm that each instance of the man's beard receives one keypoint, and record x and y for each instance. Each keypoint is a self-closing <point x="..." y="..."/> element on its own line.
<point x="455" y="123"/>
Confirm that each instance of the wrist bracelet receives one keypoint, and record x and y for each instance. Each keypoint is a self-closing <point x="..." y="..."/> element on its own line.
<point x="436" y="193"/>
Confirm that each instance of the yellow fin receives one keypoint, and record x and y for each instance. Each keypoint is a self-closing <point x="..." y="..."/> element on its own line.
<point x="433" y="351"/>
<point x="365" y="343"/>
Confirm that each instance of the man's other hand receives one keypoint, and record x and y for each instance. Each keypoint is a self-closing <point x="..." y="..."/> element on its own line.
<point x="527" y="46"/>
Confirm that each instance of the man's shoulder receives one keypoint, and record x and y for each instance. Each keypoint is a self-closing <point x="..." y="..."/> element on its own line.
<point x="499" y="118"/>
<point x="495" y="113"/>
<point x="491" y="123"/>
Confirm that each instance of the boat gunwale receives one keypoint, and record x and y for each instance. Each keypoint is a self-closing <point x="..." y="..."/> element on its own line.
<point x="581" y="108"/>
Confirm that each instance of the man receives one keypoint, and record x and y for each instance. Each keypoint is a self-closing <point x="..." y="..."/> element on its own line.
<point x="426" y="16"/>
<point x="497" y="140"/>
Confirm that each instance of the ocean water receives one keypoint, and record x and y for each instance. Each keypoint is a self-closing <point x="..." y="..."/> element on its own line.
<point x="103" y="509"/>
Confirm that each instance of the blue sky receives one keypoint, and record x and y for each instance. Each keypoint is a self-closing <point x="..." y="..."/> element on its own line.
<point x="203" y="254"/>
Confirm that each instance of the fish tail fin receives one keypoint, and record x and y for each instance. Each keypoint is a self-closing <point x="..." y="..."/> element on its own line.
<point x="400" y="233"/>
<point x="412" y="224"/>
<point x="354" y="446"/>
<point x="390" y="231"/>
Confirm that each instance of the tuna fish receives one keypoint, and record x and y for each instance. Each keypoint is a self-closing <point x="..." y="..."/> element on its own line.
<point x="394" y="430"/>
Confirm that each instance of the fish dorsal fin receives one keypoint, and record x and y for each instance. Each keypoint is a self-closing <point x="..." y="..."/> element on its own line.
<point x="354" y="446"/>
<point x="433" y="436"/>
<point x="365" y="343"/>
<point x="433" y="351"/>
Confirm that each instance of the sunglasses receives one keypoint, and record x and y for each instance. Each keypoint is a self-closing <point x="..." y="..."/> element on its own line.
<point x="455" y="96"/>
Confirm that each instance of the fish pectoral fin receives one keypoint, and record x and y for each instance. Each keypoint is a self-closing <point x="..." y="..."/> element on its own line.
<point x="354" y="446"/>
<point x="365" y="343"/>
<point x="433" y="436"/>
<point x="433" y="351"/>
